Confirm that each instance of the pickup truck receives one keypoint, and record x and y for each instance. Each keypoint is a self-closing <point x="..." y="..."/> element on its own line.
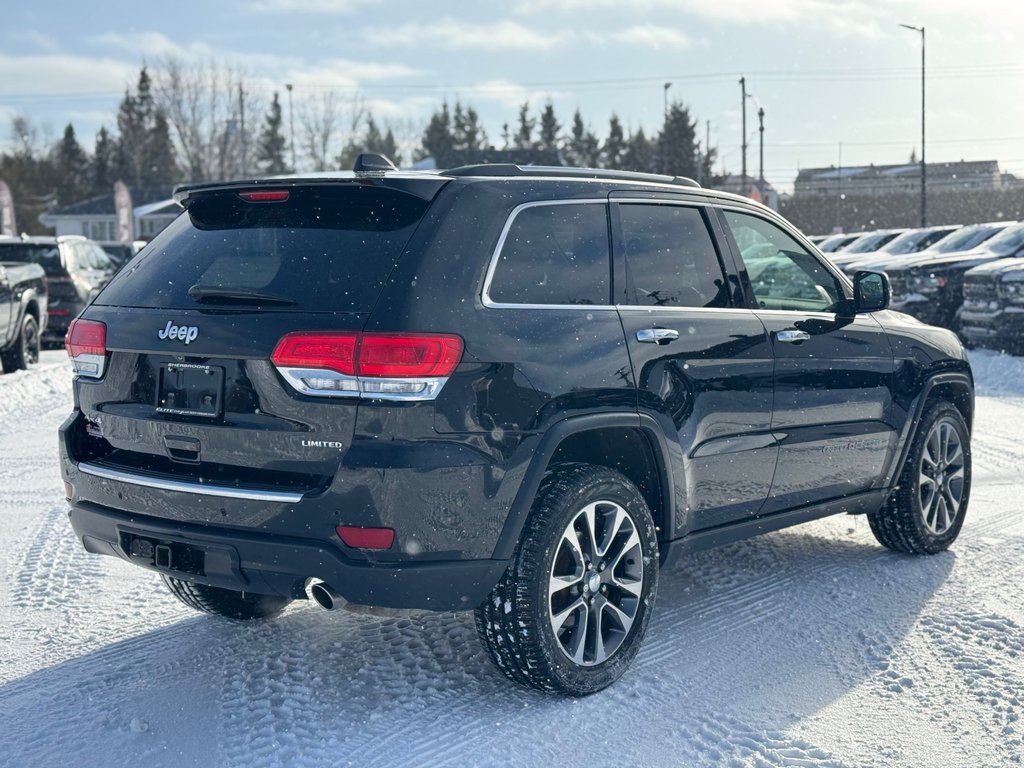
<point x="22" y="314"/>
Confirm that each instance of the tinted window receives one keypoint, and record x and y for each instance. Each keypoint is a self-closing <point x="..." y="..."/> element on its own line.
<point x="46" y="256"/>
<point x="554" y="254"/>
<point x="670" y="258"/>
<point x="782" y="274"/>
<point x="324" y="249"/>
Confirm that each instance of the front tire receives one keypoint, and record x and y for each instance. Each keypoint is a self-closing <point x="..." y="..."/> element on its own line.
<point x="246" y="606"/>
<point x="25" y="350"/>
<point x="925" y="512"/>
<point x="570" y="613"/>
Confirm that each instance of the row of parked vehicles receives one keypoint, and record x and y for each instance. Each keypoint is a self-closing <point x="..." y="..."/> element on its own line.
<point x="45" y="282"/>
<point x="969" y="279"/>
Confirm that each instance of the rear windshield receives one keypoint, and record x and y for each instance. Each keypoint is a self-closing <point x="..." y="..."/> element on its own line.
<point x="48" y="256"/>
<point x="325" y="249"/>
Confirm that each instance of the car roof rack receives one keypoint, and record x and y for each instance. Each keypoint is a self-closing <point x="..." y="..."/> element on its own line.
<point x="509" y="169"/>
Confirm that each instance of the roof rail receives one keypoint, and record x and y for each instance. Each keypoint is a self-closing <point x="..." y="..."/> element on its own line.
<point x="508" y="169"/>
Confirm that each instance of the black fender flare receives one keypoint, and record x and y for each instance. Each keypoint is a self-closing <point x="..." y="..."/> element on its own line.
<point x="960" y="378"/>
<point x="553" y="437"/>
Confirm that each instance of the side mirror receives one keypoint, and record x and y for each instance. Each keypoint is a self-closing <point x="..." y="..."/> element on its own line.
<point x="870" y="291"/>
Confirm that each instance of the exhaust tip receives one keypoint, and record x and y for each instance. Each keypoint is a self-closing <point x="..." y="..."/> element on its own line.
<point x="324" y="596"/>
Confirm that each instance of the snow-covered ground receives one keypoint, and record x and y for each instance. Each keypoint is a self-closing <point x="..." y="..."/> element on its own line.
<point x="810" y="647"/>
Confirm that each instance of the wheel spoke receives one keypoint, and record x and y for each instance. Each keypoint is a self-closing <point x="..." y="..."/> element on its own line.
<point x="580" y="634"/>
<point x="612" y="531"/>
<point x="590" y="516"/>
<point x="558" y="619"/>
<point x="634" y="588"/>
<point x="625" y="620"/>
<point x="628" y="546"/>
<point x="557" y="583"/>
<point x="597" y="612"/>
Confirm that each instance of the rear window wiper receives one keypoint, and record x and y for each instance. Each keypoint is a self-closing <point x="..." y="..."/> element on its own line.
<point x="216" y="294"/>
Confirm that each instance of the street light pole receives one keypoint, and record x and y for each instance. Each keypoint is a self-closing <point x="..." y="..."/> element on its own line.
<point x="743" y="90"/>
<point x="924" y="197"/>
<point x="291" y="120"/>
<point x="760" y="174"/>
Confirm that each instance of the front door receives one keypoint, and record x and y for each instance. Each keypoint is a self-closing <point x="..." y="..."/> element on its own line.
<point x="833" y="371"/>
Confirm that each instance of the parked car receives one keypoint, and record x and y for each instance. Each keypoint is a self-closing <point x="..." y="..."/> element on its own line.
<point x="931" y="288"/>
<point x="966" y="238"/>
<point x="838" y="242"/>
<point x="509" y="390"/>
<point x="908" y="244"/>
<point x="993" y="312"/>
<point x="76" y="269"/>
<point x="22" y="309"/>
<point x="120" y="252"/>
<point x="869" y="243"/>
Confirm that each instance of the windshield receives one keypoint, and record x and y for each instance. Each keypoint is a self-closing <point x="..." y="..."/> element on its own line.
<point x="1007" y="242"/>
<point x="836" y="242"/>
<point x="964" y="239"/>
<point x="915" y="240"/>
<point x="870" y="243"/>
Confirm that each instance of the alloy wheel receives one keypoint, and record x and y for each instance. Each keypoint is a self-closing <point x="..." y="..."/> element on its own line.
<point x="941" y="477"/>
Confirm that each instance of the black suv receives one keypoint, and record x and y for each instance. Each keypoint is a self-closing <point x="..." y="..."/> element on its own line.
<point x="509" y="390"/>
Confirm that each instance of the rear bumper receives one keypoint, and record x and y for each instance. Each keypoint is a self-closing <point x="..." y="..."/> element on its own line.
<point x="271" y="564"/>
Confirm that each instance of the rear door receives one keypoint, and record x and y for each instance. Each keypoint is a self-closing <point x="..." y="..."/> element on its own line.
<point x="833" y="373"/>
<point x="703" y="365"/>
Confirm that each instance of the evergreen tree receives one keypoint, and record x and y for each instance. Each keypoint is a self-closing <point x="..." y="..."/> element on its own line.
<point x="614" y="148"/>
<point x="583" y="144"/>
<point x="71" y="166"/>
<point x="438" y="140"/>
<point x="161" y="168"/>
<point x="639" y="153"/>
<point x="271" y="145"/>
<point x="523" y="138"/>
<point x="101" y="168"/>
<point x="677" y="154"/>
<point x="145" y="153"/>
<point x="467" y="132"/>
<point x="549" y="127"/>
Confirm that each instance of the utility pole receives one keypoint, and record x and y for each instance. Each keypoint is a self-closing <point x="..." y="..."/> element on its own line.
<point x="665" y="111"/>
<point x="760" y="173"/>
<point x="707" y="146"/>
<point x="291" y="120"/>
<point x="839" y="189"/>
<point x="743" y="90"/>
<point x="241" y="125"/>
<point x="924" y="196"/>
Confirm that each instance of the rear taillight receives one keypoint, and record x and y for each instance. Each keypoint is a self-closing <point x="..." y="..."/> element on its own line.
<point x="86" y="343"/>
<point x="392" y="366"/>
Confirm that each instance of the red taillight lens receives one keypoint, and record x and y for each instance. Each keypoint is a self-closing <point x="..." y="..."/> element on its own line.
<point x="408" y="355"/>
<point x="321" y="351"/>
<point x="366" y="538"/>
<point x="86" y="343"/>
<point x="265" y="196"/>
<point x="86" y="337"/>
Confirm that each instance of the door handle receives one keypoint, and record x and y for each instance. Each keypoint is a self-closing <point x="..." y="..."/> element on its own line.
<point x="792" y="337"/>
<point x="656" y="335"/>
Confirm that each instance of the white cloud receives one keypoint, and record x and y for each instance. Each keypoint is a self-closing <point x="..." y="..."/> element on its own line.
<point x="38" y="39"/>
<point x="652" y="36"/>
<point x="448" y="33"/>
<point x="47" y="75"/>
<point x="150" y="44"/>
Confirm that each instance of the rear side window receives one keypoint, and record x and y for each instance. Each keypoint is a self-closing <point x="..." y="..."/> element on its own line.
<point x="323" y="249"/>
<point x="554" y="254"/>
<point x="671" y="260"/>
<point x="46" y="256"/>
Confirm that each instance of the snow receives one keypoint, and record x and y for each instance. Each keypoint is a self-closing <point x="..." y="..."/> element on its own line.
<point x="810" y="647"/>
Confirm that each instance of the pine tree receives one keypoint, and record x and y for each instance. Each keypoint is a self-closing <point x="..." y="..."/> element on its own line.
<point x="677" y="154"/>
<point x="101" y="169"/>
<point x="583" y="144"/>
<point x="614" y="148"/>
<point x="438" y="140"/>
<point x="161" y="168"/>
<point x="145" y="153"/>
<point x="467" y="132"/>
<point x="71" y="166"/>
<point x="549" y="127"/>
<point x="523" y="138"/>
<point x="271" y="145"/>
<point x="639" y="153"/>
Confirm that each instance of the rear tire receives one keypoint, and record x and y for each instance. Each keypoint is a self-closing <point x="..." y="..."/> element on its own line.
<point x="570" y="613"/>
<point x="926" y="510"/>
<point x="25" y="349"/>
<point x="246" y="606"/>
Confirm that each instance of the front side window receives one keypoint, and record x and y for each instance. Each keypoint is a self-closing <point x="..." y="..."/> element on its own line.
<point x="782" y="273"/>
<point x="554" y="254"/>
<point x="671" y="259"/>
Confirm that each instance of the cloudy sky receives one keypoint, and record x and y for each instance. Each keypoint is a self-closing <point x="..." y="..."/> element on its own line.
<point x="825" y="71"/>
